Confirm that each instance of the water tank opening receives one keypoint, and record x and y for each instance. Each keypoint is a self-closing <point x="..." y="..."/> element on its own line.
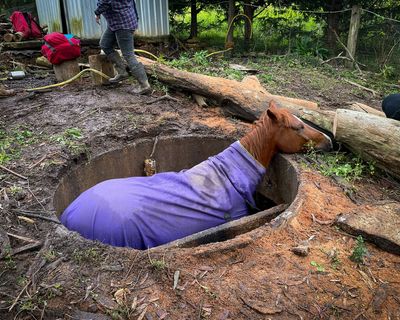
<point x="276" y="191"/>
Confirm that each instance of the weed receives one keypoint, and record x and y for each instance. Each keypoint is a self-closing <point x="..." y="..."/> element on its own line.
<point x="320" y="267"/>
<point x="360" y="251"/>
<point x="121" y="312"/>
<point x="8" y="258"/>
<point x="335" y="260"/>
<point x="50" y="255"/>
<point x="22" y="281"/>
<point x="342" y="165"/>
<point x="12" y="142"/>
<point x="155" y="264"/>
<point x="90" y="255"/>
<point x="70" y="138"/>
<point x="14" y="190"/>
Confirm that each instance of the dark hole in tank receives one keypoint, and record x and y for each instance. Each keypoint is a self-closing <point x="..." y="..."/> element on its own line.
<point x="276" y="191"/>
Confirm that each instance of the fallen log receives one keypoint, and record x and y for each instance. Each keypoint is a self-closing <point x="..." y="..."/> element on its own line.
<point x="357" y="106"/>
<point x="8" y="37"/>
<point x="18" y="36"/>
<point x="246" y="99"/>
<point x="373" y="137"/>
<point x="6" y="93"/>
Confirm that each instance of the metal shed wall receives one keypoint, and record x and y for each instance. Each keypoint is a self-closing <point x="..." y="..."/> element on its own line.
<point x="49" y="12"/>
<point x="153" y="18"/>
<point x="80" y="21"/>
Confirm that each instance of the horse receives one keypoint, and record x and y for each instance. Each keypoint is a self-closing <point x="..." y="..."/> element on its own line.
<point x="145" y="212"/>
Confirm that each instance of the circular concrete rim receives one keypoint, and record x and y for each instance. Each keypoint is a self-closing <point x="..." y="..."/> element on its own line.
<point x="242" y="239"/>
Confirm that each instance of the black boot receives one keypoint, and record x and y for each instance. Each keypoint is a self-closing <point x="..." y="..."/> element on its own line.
<point x="119" y="65"/>
<point x="140" y="74"/>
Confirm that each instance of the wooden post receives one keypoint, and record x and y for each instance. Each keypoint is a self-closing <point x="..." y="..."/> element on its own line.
<point x="66" y="70"/>
<point x="101" y="63"/>
<point x="353" y="34"/>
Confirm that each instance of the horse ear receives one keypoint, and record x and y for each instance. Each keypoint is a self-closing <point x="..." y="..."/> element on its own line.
<point x="273" y="111"/>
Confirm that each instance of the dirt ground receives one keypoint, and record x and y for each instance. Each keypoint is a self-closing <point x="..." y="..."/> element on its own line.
<point x="255" y="276"/>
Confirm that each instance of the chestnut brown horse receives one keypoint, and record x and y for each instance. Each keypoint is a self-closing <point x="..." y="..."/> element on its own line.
<point x="144" y="212"/>
<point x="277" y="130"/>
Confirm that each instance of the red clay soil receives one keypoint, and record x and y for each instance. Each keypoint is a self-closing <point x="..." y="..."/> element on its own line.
<point x="254" y="276"/>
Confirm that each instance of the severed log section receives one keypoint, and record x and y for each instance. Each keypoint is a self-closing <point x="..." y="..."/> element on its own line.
<point x="357" y="106"/>
<point x="6" y="93"/>
<point x="373" y="137"/>
<point x="246" y="99"/>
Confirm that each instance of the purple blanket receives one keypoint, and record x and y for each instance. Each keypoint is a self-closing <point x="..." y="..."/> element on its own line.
<point x="144" y="212"/>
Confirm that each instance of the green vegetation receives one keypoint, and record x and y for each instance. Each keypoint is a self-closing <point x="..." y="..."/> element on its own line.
<point x="360" y="251"/>
<point x="319" y="267"/>
<point x="13" y="141"/>
<point x="71" y="138"/>
<point x="91" y="255"/>
<point x="8" y="258"/>
<point x="156" y="264"/>
<point x="340" y="164"/>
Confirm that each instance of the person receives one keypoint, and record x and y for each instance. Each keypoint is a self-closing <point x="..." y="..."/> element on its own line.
<point x="122" y="21"/>
<point x="391" y="106"/>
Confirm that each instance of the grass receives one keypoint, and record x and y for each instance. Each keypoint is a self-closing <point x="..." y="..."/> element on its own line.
<point x="340" y="164"/>
<point x="71" y="139"/>
<point x="319" y="267"/>
<point x="157" y="264"/>
<point x="360" y="251"/>
<point x="13" y="141"/>
<point x="90" y="255"/>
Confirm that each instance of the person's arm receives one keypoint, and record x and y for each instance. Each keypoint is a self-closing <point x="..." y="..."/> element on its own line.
<point x="102" y="6"/>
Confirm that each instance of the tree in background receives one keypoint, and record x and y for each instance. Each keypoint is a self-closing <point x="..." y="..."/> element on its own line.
<point x="8" y="6"/>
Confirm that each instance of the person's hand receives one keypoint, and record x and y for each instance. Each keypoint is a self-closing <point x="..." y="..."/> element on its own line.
<point x="98" y="20"/>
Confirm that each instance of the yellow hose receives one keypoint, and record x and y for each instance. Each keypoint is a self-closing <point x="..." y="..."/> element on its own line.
<point x="148" y="53"/>
<point x="77" y="76"/>
<point x="231" y="24"/>
<point x="217" y="52"/>
<point x="69" y="80"/>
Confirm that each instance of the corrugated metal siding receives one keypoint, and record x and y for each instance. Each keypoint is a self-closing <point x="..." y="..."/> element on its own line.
<point x="49" y="13"/>
<point x="153" y="18"/>
<point x="81" y="20"/>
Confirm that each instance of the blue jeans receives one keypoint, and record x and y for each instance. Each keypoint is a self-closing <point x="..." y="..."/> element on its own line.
<point x="124" y="39"/>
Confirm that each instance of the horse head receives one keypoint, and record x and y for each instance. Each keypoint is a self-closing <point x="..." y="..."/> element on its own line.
<point x="293" y="135"/>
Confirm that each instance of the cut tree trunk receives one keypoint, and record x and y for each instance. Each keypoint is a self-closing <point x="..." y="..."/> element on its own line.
<point x="6" y="93"/>
<point x="66" y="70"/>
<point x="101" y="63"/>
<point x="246" y="99"/>
<point x="8" y="37"/>
<point x="357" y="106"/>
<point x="373" y="137"/>
<point x="18" y="36"/>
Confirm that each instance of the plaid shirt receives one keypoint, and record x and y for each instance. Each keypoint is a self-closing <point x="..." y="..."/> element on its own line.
<point x="120" y="14"/>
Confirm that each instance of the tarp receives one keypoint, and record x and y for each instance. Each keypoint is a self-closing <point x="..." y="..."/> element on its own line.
<point x="144" y="212"/>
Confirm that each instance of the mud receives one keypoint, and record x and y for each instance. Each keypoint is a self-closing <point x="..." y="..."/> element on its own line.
<point x="253" y="276"/>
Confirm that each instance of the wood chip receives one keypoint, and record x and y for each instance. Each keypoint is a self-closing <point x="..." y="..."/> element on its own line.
<point x="259" y="307"/>
<point x="176" y="278"/>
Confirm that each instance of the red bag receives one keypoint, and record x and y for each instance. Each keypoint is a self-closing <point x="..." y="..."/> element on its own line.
<point x="58" y="48"/>
<point x="26" y="24"/>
